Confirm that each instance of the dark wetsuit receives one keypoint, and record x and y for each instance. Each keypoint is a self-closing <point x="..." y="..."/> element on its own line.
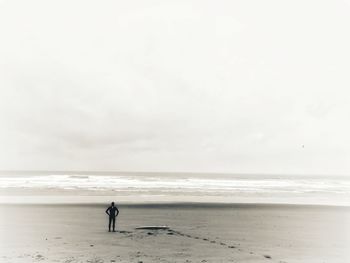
<point x="112" y="211"/>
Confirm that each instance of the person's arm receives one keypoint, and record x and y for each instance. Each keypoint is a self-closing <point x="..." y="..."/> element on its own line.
<point x="107" y="211"/>
<point x="117" y="212"/>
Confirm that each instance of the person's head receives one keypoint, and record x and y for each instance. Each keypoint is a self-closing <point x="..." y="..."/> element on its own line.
<point x="112" y="203"/>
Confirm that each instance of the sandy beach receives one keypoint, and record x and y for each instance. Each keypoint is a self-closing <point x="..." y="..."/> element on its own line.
<point x="197" y="233"/>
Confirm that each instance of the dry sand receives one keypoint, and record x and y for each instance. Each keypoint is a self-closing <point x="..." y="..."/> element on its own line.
<point x="198" y="233"/>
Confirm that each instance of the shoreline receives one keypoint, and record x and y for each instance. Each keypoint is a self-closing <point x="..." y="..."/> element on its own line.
<point x="184" y="205"/>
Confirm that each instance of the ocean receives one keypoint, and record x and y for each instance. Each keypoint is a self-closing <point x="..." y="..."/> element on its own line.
<point x="126" y="187"/>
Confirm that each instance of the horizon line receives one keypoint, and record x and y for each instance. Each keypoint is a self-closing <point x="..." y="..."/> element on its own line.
<point x="167" y="172"/>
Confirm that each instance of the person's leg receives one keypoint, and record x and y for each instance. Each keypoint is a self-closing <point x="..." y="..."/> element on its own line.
<point x="109" y="225"/>
<point x="113" y="224"/>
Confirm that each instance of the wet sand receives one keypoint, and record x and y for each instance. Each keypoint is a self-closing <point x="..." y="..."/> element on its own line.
<point x="197" y="233"/>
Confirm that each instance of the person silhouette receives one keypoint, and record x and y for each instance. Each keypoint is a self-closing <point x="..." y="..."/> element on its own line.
<point x="112" y="212"/>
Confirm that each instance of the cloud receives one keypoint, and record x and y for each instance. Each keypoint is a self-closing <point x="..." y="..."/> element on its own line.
<point x="175" y="86"/>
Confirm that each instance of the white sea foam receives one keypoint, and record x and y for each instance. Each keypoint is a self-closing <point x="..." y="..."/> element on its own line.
<point x="135" y="183"/>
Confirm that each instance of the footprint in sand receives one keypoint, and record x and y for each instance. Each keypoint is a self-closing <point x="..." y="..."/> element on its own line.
<point x="39" y="257"/>
<point x="194" y="237"/>
<point x="70" y="260"/>
<point x="126" y="233"/>
<point x="96" y="260"/>
<point x="172" y="232"/>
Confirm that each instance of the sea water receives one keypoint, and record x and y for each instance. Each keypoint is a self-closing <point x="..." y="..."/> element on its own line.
<point x="178" y="187"/>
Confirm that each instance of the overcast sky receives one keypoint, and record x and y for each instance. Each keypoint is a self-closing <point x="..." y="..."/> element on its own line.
<point x="193" y="85"/>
